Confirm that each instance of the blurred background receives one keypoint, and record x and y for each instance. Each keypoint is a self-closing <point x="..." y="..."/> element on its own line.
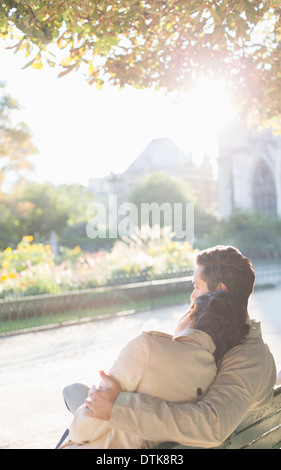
<point x="137" y="102"/>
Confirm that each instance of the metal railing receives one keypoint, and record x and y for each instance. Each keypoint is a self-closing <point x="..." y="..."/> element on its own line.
<point x="41" y="310"/>
<point x="21" y="314"/>
<point x="268" y="274"/>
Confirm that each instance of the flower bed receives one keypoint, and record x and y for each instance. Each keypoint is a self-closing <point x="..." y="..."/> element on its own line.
<point x="31" y="269"/>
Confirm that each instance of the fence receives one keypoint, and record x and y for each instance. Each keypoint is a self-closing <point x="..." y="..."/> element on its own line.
<point x="38" y="311"/>
<point x="19" y="314"/>
<point x="268" y="274"/>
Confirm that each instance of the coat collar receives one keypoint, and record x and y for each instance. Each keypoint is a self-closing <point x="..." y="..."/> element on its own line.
<point x="197" y="336"/>
<point x="255" y="329"/>
<point x="189" y="334"/>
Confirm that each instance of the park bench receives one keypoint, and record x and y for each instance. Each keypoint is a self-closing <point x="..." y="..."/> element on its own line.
<point x="261" y="429"/>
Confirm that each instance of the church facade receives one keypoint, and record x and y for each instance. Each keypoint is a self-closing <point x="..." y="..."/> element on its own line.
<point x="249" y="172"/>
<point x="161" y="155"/>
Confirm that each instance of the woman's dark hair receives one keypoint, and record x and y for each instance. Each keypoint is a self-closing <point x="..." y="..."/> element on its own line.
<point x="223" y="317"/>
<point x="227" y="265"/>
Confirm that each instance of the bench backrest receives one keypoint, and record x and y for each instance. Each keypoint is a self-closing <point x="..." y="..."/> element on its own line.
<point x="261" y="429"/>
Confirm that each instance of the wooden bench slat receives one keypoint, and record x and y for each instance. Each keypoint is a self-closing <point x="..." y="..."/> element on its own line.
<point x="254" y="432"/>
<point x="267" y="441"/>
<point x="277" y="446"/>
<point x="257" y="424"/>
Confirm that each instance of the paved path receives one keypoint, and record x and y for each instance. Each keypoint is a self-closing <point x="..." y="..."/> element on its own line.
<point x="35" y="367"/>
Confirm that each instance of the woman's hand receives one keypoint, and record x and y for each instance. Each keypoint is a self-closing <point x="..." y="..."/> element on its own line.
<point x="101" y="400"/>
<point x="185" y="319"/>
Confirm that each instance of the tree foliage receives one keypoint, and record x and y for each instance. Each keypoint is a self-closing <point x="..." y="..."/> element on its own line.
<point x="256" y="234"/>
<point x="146" y="43"/>
<point x="15" y="138"/>
<point x="37" y="209"/>
<point x="160" y="188"/>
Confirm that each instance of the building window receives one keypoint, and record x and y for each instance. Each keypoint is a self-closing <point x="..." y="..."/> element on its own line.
<point x="264" y="194"/>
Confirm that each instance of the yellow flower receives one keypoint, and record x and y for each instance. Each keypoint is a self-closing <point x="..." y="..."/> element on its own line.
<point x="27" y="238"/>
<point x="8" y="276"/>
<point x="8" y="249"/>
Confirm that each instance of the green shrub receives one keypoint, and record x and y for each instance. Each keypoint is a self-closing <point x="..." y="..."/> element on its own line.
<point x="257" y="235"/>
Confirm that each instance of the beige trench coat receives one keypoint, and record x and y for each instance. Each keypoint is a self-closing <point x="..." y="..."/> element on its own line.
<point x="245" y="381"/>
<point x="177" y="368"/>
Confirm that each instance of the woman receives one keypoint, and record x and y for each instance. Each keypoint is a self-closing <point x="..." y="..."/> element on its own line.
<point x="178" y="367"/>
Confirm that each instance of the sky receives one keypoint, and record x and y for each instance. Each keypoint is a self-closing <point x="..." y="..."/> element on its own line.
<point x="82" y="132"/>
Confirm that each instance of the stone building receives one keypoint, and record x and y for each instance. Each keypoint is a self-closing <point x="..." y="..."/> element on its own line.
<point x="161" y="155"/>
<point x="249" y="172"/>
